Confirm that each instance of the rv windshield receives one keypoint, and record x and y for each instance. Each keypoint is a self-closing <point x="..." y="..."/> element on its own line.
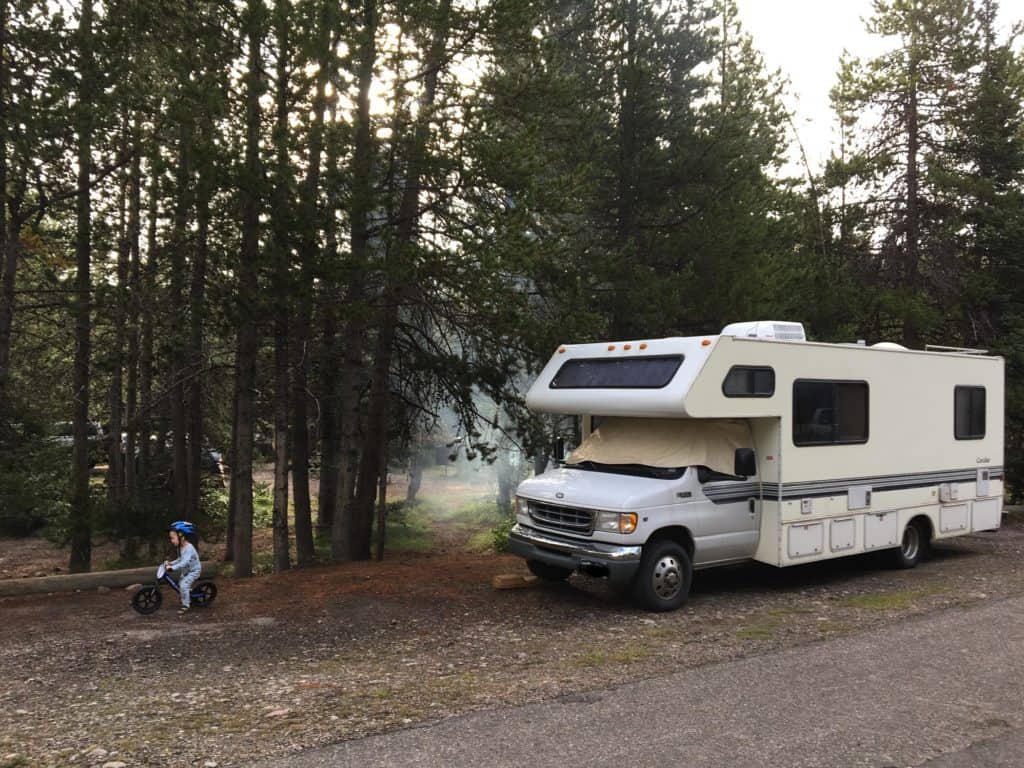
<point x="640" y="470"/>
<point x="663" y="444"/>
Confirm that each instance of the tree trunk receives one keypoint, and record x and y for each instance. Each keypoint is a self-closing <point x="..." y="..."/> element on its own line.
<point x="8" y="237"/>
<point x="197" y="300"/>
<point x="146" y="352"/>
<point x="245" y="377"/>
<point x="382" y="499"/>
<point x="398" y="273"/>
<point x="134" y="273"/>
<point x="177" y="249"/>
<point x="281" y="218"/>
<point x="330" y="364"/>
<point x="343" y="530"/>
<point x="308" y="253"/>
<point x="415" y="476"/>
<point x="81" y="525"/>
<point x="911" y="329"/>
<point x="115" y="455"/>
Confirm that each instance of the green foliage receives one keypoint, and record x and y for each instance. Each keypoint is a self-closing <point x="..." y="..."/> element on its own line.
<point x="33" y="487"/>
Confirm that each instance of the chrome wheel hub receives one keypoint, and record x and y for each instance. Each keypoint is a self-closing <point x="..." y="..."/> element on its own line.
<point x="911" y="542"/>
<point x="667" y="578"/>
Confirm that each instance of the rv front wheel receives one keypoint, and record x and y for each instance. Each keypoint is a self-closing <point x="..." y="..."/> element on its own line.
<point x="663" y="581"/>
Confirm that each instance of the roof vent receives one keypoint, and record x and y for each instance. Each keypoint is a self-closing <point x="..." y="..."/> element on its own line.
<point x="888" y="345"/>
<point x="767" y="329"/>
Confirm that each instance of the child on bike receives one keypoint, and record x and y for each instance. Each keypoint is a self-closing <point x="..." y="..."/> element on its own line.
<point x="187" y="564"/>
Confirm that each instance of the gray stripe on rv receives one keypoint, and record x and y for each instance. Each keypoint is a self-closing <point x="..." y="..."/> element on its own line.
<point x="731" y="492"/>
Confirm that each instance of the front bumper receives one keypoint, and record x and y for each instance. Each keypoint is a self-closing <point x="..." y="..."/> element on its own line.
<point x="616" y="562"/>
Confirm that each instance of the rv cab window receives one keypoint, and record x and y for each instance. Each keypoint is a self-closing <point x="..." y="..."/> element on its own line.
<point x="649" y="372"/>
<point x="969" y="416"/>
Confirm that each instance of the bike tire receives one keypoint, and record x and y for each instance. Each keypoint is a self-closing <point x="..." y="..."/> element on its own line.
<point x="147" y="600"/>
<point x="204" y="593"/>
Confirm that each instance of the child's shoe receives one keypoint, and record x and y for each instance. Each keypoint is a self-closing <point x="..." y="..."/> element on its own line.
<point x="183" y="610"/>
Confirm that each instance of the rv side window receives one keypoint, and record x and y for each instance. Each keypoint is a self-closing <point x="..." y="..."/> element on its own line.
<point x="749" y="381"/>
<point x="969" y="416"/>
<point x="650" y="372"/>
<point x="830" y="412"/>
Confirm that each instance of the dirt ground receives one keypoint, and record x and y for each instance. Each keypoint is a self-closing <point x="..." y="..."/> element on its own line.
<point x="284" y="663"/>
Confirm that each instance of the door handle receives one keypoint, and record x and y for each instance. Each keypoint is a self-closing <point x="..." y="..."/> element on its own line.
<point x="750" y="504"/>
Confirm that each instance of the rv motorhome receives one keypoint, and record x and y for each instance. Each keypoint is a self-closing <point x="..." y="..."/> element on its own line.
<point x="756" y="444"/>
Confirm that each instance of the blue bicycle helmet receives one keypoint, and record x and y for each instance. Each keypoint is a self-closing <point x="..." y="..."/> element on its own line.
<point x="183" y="527"/>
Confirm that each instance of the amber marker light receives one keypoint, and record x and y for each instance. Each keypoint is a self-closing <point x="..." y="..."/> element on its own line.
<point x="627" y="346"/>
<point x="627" y="522"/>
<point x="561" y="351"/>
<point x="643" y="346"/>
<point x="705" y="343"/>
<point x="611" y="347"/>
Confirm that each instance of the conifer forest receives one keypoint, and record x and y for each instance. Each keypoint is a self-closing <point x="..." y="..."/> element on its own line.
<point x="304" y="233"/>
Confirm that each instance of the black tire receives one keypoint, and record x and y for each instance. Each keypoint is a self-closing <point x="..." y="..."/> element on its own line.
<point x="548" y="572"/>
<point x="665" y="576"/>
<point x="204" y="593"/>
<point x="147" y="600"/>
<point x="914" y="546"/>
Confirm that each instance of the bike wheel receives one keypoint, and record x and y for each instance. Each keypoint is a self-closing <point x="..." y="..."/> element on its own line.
<point x="203" y="593"/>
<point x="147" y="600"/>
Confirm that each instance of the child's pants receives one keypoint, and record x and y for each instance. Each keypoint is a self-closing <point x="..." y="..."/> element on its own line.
<point x="185" y="585"/>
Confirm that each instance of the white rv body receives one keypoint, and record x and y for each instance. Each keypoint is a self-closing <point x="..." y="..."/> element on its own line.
<point x="906" y="448"/>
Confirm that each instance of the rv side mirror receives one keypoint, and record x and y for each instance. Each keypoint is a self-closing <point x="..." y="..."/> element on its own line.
<point x="558" y="450"/>
<point x="746" y="463"/>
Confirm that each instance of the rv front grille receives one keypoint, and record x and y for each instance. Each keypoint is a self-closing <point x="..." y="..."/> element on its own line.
<point x="562" y="518"/>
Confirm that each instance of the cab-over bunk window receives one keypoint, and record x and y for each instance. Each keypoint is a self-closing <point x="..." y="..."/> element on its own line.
<point x="969" y="413"/>
<point x="830" y="412"/>
<point x="648" y="372"/>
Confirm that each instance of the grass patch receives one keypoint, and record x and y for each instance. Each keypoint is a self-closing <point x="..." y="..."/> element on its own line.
<point x="892" y="601"/>
<point x="620" y="655"/>
<point x="762" y="630"/>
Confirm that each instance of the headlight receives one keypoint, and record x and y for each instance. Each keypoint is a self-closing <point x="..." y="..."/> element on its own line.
<point x="615" y="522"/>
<point x="522" y="506"/>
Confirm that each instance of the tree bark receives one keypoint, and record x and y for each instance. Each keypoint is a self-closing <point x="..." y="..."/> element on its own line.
<point x="398" y="270"/>
<point x="197" y="318"/>
<point x="309" y="253"/>
<point x="330" y="432"/>
<point x="146" y="352"/>
<point x="115" y="455"/>
<point x="282" y="293"/>
<point x="177" y="249"/>
<point x="342" y="531"/>
<point x="911" y="331"/>
<point x="8" y="236"/>
<point x="134" y="274"/>
<point x="245" y="377"/>
<point x="81" y="524"/>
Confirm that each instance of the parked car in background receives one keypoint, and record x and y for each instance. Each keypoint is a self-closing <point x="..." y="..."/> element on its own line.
<point x="63" y="433"/>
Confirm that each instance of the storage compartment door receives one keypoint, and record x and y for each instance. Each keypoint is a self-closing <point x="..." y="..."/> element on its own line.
<point x="986" y="515"/>
<point x="805" y="539"/>
<point x="953" y="518"/>
<point x="881" y="530"/>
<point x="842" y="535"/>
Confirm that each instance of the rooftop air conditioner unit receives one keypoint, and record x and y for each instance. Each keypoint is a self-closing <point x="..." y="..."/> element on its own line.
<point x="767" y="329"/>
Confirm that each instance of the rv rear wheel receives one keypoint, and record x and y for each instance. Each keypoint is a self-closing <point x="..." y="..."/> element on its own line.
<point x="546" y="571"/>
<point x="913" y="547"/>
<point x="663" y="581"/>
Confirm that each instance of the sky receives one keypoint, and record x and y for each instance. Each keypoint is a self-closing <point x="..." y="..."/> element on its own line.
<point x="804" y="39"/>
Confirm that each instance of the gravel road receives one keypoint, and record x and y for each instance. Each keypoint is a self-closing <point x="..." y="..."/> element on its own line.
<point x="284" y="664"/>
